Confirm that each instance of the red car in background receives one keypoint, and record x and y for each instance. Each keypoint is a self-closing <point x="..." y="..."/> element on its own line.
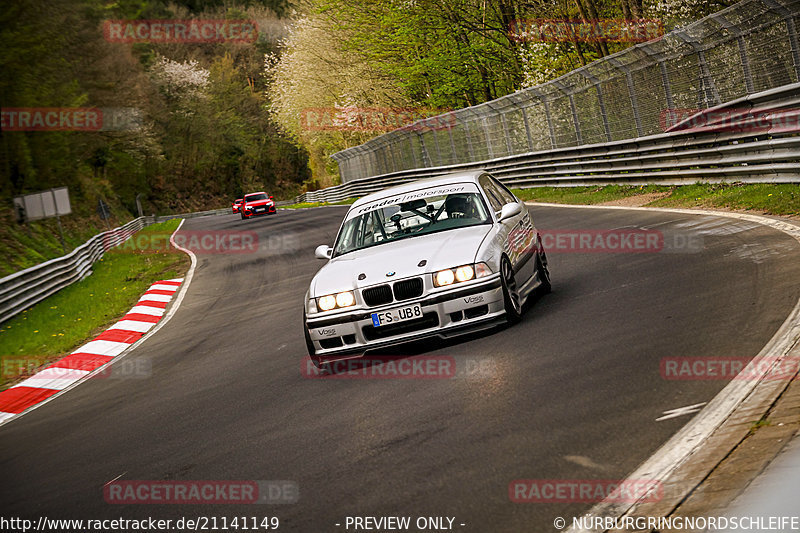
<point x="236" y="204"/>
<point x="257" y="204"/>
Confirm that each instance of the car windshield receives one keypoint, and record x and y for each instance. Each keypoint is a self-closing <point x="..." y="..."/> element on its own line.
<point x="392" y="222"/>
<point x="254" y="197"/>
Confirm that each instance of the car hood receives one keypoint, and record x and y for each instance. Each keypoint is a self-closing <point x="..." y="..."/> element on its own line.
<point x="258" y="202"/>
<point x="440" y="250"/>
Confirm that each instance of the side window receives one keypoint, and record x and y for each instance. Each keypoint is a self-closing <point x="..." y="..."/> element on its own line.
<point x="504" y="192"/>
<point x="494" y="198"/>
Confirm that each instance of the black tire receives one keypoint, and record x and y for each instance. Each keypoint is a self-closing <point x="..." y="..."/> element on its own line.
<point x="511" y="296"/>
<point x="242" y="215"/>
<point x="543" y="272"/>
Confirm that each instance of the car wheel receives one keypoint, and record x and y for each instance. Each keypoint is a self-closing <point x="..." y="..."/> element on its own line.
<point x="510" y="292"/>
<point x="242" y="215"/>
<point x="544" y="274"/>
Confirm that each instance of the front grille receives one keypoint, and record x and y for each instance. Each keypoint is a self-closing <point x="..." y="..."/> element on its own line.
<point x="408" y="288"/>
<point x="428" y="320"/>
<point x="379" y="295"/>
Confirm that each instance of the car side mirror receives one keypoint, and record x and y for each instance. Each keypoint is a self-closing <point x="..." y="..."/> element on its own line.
<point x="270" y="198"/>
<point x="323" y="251"/>
<point x="510" y="210"/>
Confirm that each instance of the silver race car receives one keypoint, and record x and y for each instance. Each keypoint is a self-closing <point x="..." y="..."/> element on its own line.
<point x="435" y="257"/>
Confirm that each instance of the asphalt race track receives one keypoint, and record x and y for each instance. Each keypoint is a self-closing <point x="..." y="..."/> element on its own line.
<point x="572" y="392"/>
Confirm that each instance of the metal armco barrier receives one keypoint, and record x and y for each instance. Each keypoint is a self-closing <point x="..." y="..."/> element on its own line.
<point x="21" y="290"/>
<point x="711" y="153"/>
<point x="605" y="121"/>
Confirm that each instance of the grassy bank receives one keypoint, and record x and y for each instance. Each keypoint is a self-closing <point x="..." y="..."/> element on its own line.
<point x="769" y="198"/>
<point x="26" y="245"/>
<point x="304" y="205"/>
<point x="64" y="321"/>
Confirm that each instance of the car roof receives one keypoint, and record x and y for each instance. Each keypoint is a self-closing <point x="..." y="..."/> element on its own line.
<point x="447" y="179"/>
<point x="252" y="193"/>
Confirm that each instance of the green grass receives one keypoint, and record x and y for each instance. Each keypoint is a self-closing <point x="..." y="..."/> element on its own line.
<point x="769" y="198"/>
<point x="584" y="195"/>
<point x="67" y="319"/>
<point x="776" y="199"/>
<point x="758" y="424"/>
<point x="303" y="205"/>
<point x="26" y="245"/>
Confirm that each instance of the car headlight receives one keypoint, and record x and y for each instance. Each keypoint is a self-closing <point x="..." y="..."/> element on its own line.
<point x="444" y="277"/>
<point x="465" y="273"/>
<point x="326" y="303"/>
<point x="448" y="276"/>
<point x="345" y="299"/>
<point x="332" y="301"/>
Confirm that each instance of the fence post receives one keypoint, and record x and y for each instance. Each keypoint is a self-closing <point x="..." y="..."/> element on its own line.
<point x="538" y="94"/>
<point x="725" y="23"/>
<point x="560" y="86"/>
<point x="637" y="119"/>
<point x="486" y="137"/>
<point x="791" y="30"/>
<point x="599" y="89"/>
<point x="708" y="95"/>
<point x="661" y="61"/>
<point x="468" y="136"/>
<point x="527" y="128"/>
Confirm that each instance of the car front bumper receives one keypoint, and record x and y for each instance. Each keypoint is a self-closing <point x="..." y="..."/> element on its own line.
<point x="268" y="211"/>
<point x="459" y="310"/>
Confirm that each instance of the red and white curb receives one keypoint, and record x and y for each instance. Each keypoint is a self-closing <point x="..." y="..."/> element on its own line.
<point x="93" y="355"/>
<point x="143" y="320"/>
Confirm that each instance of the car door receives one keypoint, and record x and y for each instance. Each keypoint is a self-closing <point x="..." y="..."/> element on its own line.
<point x="517" y="231"/>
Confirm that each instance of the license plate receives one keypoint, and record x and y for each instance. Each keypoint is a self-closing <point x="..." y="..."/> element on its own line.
<point x="400" y="314"/>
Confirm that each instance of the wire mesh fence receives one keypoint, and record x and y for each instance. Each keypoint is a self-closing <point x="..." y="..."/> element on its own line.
<point x="747" y="48"/>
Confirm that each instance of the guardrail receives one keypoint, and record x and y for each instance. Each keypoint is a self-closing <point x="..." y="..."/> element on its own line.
<point x="21" y="290"/>
<point x="712" y="152"/>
